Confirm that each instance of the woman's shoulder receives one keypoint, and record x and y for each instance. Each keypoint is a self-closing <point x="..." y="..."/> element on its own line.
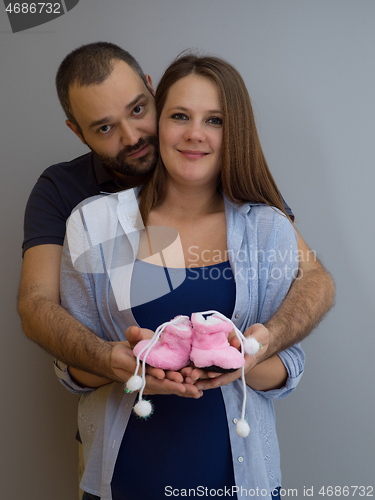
<point x="270" y="219"/>
<point x="266" y="213"/>
<point x="257" y="212"/>
<point x="268" y="222"/>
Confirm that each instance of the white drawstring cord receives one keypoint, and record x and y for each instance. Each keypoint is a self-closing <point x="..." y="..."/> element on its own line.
<point x="250" y="346"/>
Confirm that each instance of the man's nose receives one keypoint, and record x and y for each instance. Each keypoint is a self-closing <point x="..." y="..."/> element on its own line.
<point x="130" y="134"/>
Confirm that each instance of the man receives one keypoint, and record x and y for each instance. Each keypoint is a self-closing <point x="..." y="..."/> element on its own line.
<point x="109" y="105"/>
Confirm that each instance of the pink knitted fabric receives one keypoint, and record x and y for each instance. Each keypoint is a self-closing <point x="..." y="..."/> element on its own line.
<point x="172" y="351"/>
<point x="210" y="346"/>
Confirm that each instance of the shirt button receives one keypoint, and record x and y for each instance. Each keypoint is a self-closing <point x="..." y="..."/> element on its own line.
<point x="236" y="316"/>
<point x="240" y="459"/>
<point x="234" y="420"/>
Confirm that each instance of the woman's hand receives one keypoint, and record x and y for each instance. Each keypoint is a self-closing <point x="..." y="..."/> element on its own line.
<point x="159" y="381"/>
<point x="212" y="380"/>
<point x="262" y="376"/>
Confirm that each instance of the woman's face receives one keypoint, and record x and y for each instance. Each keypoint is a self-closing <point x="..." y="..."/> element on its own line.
<point x="190" y="131"/>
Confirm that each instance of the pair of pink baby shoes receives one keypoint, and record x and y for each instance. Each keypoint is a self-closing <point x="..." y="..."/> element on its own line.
<point x="202" y="341"/>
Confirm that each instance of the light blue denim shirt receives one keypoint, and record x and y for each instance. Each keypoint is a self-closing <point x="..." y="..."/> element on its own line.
<point x="98" y="257"/>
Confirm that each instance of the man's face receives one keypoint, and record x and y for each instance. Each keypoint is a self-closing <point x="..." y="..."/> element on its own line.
<point x="117" y="120"/>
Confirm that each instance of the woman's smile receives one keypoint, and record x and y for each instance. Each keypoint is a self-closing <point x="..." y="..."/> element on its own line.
<point x="193" y="155"/>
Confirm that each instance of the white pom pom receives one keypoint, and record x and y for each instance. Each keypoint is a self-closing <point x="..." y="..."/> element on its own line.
<point x="143" y="408"/>
<point x="134" y="383"/>
<point x="251" y="345"/>
<point x="242" y="428"/>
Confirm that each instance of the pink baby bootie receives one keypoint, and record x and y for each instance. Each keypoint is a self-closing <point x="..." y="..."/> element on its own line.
<point x="169" y="349"/>
<point x="172" y="349"/>
<point x="210" y="347"/>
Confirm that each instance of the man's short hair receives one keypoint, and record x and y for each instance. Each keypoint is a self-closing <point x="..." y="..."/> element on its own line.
<point x="90" y="64"/>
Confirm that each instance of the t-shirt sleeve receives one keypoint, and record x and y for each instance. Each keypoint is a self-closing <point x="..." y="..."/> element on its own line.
<point x="45" y="215"/>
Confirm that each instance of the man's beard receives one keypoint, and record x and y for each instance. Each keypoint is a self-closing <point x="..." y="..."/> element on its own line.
<point x="135" y="167"/>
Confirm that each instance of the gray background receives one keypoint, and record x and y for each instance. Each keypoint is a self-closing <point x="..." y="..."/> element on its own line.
<point x="310" y="70"/>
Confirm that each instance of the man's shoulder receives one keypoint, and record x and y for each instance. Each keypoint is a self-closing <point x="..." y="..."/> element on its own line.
<point x="76" y="167"/>
<point x="57" y="191"/>
<point x="67" y="183"/>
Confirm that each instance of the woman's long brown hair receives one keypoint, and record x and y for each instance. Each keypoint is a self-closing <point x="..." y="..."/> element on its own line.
<point x="245" y="176"/>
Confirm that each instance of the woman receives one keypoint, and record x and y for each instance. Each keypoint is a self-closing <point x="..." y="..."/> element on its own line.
<point x="238" y="256"/>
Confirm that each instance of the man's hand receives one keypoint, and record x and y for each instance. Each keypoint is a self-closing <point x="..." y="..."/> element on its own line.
<point x="257" y="331"/>
<point x="123" y="364"/>
<point x="134" y="334"/>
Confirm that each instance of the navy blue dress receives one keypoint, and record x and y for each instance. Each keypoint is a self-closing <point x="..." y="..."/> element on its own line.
<point x="185" y="443"/>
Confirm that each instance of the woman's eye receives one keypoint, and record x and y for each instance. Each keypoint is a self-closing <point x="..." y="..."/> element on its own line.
<point x="215" y="120"/>
<point x="179" y="116"/>
<point x="138" y="110"/>
<point x="105" y="129"/>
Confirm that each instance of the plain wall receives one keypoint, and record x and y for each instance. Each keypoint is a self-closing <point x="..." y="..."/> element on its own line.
<point x="310" y="70"/>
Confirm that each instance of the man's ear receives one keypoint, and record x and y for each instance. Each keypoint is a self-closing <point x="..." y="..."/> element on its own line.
<point x="149" y="84"/>
<point x="76" y="130"/>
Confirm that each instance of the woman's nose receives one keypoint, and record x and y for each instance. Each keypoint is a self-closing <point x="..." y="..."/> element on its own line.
<point x="194" y="132"/>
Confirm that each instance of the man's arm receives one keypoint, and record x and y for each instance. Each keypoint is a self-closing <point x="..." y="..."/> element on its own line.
<point x="45" y="322"/>
<point x="310" y="297"/>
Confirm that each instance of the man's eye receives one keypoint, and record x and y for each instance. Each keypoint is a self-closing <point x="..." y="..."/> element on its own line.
<point x="104" y="129"/>
<point x="215" y="120"/>
<point x="138" y="110"/>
